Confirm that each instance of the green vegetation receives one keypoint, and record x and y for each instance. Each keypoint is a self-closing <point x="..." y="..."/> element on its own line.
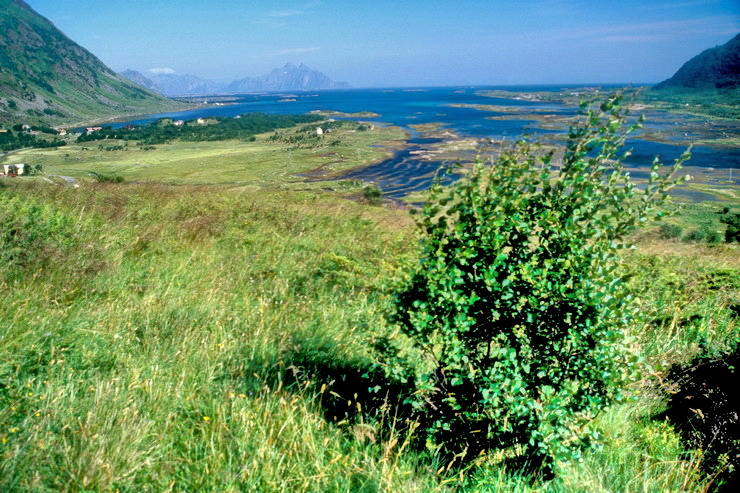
<point x="243" y="127"/>
<point x="720" y="103"/>
<point x="703" y="223"/>
<point x="716" y="103"/>
<point x="152" y="335"/>
<point x="158" y="335"/>
<point x="20" y="139"/>
<point x="715" y="68"/>
<point x="272" y="160"/>
<point x="517" y="312"/>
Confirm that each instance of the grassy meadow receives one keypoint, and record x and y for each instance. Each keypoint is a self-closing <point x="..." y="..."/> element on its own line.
<point x="266" y="162"/>
<point x="206" y="325"/>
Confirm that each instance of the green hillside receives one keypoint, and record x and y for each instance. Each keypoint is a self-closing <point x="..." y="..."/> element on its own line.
<point x="708" y="84"/>
<point x="715" y="68"/>
<point x="46" y="77"/>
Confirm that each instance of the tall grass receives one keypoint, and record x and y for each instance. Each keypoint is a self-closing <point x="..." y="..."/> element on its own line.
<point x="157" y="338"/>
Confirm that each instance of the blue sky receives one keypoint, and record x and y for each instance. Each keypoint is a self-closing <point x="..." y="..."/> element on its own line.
<point x="383" y="43"/>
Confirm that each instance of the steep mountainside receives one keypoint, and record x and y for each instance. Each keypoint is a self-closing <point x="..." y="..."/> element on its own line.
<point x="141" y="79"/>
<point x="173" y="84"/>
<point x="46" y="77"/>
<point x="715" y="68"/>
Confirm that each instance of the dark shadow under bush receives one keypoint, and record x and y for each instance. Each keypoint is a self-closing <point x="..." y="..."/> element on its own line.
<point x="705" y="412"/>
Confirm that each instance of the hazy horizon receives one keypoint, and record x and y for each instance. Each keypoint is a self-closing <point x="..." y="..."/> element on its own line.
<point x="390" y="44"/>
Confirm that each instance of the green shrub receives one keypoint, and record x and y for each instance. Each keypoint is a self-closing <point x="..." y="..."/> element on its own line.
<point x="732" y="233"/>
<point x="705" y="234"/>
<point x="372" y="193"/>
<point x="103" y="178"/>
<point x="512" y="326"/>
<point x="670" y="231"/>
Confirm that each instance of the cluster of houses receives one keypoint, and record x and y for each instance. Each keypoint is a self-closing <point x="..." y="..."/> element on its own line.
<point x="28" y="129"/>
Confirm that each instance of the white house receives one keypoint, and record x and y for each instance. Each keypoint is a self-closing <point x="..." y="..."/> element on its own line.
<point x="319" y="131"/>
<point x="16" y="169"/>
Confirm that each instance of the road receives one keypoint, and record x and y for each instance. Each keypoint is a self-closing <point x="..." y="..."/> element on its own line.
<point x="14" y="150"/>
<point x="70" y="181"/>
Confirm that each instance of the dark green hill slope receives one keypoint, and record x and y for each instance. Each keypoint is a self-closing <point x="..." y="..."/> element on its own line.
<point x="46" y="77"/>
<point x="715" y="68"/>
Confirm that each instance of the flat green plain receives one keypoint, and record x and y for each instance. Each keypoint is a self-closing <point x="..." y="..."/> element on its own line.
<point x="260" y="163"/>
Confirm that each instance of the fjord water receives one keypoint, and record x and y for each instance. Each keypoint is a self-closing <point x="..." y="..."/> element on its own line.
<point x="406" y="172"/>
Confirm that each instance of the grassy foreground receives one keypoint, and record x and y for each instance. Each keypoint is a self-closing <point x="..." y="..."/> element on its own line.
<point x="150" y="336"/>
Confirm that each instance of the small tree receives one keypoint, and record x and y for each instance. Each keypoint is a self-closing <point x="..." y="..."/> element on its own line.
<point x="515" y="318"/>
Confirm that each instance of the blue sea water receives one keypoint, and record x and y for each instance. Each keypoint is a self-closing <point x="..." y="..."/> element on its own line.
<point x="405" y="107"/>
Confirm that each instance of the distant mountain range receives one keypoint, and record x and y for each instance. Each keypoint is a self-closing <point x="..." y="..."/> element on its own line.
<point x="46" y="77"/>
<point x="717" y="68"/>
<point x="287" y="78"/>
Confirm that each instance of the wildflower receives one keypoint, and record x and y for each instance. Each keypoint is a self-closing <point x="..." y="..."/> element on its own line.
<point x="206" y="418"/>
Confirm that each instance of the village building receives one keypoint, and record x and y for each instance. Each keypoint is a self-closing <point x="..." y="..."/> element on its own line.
<point x="179" y="123"/>
<point x="319" y="131"/>
<point x="62" y="131"/>
<point x="16" y="169"/>
<point x="90" y="130"/>
<point x="201" y="121"/>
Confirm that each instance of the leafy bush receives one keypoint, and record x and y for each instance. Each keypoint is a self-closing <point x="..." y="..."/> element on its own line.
<point x="512" y="326"/>
<point x="103" y="178"/>
<point x="705" y="234"/>
<point x="732" y="220"/>
<point x="670" y="231"/>
<point x="372" y="193"/>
